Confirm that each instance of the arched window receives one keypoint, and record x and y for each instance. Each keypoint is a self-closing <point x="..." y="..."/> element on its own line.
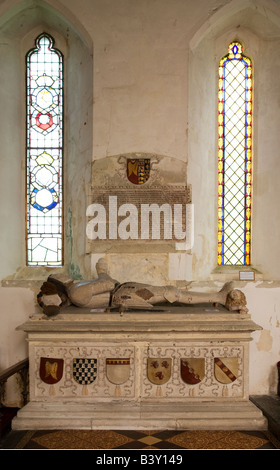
<point x="234" y="157"/>
<point x="44" y="153"/>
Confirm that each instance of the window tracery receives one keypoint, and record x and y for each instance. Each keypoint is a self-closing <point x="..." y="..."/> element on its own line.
<point x="44" y="153"/>
<point x="234" y="157"/>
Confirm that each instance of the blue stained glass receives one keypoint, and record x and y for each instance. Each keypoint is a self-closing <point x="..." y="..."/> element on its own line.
<point x="234" y="158"/>
<point x="44" y="145"/>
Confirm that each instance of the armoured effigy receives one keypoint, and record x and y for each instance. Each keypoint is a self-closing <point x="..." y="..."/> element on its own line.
<point x="105" y="292"/>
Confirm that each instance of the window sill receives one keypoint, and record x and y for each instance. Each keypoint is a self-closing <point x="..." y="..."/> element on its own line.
<point x="232" y="273"/>
<point x="28" y="276"/>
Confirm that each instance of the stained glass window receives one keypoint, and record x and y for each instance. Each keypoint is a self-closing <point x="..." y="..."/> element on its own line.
<point x="234" y="157"/>
<point x="44" y="146"/>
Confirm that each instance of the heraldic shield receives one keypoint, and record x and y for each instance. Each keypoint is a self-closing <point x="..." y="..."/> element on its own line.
<point x="118" y="370"/>
<point x="51" y="370"/>
<point x="84" y="372"/>
<point x="159" y="370"/>
<point x="192" y="370"/>
<point x="226" y="369"/>
<point x="138" y="170"/>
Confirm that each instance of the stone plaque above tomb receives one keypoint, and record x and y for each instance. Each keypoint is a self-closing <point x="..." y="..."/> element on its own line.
<point x="141" y="200"/>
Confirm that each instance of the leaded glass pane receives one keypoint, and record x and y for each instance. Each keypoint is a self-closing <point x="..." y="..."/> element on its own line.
<point x="234" y="157"/>
<point x="44" y="71"/>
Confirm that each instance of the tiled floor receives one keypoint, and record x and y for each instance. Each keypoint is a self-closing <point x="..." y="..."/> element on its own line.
<point x="141" y="440"/>
<point x="105" y="439"/>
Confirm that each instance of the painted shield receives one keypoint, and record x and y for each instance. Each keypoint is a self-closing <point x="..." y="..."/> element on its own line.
<point x="226" y="369"/>
<point x="138" y="170"/>
<point x="159" y="370"/>
<point x="117" y="370"/>
<point x="51" y="370"/>
<point x="192" y="370"/>
<point x="84" y="370"/>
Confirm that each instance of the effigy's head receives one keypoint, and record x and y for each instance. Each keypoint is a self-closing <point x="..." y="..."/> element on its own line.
<point x="236" y="297"/>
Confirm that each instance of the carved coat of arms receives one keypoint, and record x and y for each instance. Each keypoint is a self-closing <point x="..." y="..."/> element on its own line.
<point x="117" y="370"/>
<point x="138" y="170"/>
<point x="226" y="369"/>
<point x="159" y="370"/>
<point x="84" y="370"/>
<point x="51" y="370"/>
<point x="192" y="370"/>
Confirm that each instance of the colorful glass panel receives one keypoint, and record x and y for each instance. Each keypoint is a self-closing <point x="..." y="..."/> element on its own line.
<point x="44" y="71"/>
<point x="234" y="157"/>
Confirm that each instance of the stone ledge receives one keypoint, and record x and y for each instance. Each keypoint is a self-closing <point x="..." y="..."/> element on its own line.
<point x="170" y="319"/>
<point x="149" y="415"/>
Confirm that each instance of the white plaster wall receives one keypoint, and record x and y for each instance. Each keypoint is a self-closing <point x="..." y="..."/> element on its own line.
<point x="154" y="66"/>
<point x="263" y="300"/>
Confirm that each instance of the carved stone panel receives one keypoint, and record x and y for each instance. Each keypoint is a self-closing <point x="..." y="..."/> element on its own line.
<point x="201" y="383"/>
<point x="94" y="378"/>
<point x="169" y="371"/>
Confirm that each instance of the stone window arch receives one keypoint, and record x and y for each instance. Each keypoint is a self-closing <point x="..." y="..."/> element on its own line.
<point x="258" y="30"/>
<point x="19" y="27"/>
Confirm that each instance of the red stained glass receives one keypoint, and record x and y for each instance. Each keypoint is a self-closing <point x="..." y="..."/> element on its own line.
<point x="234" y="157"/>
<point x="44" y="146"/>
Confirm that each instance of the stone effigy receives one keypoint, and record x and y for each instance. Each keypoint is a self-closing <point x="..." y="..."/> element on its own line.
<point x="105" y="292"/>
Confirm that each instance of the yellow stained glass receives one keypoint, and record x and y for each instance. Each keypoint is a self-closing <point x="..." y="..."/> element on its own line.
<point x="234" y="157"/>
